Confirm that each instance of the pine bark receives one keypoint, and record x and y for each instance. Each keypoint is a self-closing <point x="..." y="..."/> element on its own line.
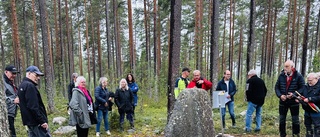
<point x="251" y="41"/>
<point x="174" y="50"/>
<point x="305" y="39"/>
<point x="131" y="44"/>
<point x="47" y="59"/>
<point x="214" y="43"/>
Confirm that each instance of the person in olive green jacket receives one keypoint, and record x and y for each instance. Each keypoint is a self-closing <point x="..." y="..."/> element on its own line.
<point x="181" y="82"/>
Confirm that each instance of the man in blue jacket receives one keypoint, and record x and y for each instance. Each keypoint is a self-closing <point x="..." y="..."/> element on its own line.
<point x="289" y="81"/>
<point x="33" y="111"/>
<point x="228" y="85"/>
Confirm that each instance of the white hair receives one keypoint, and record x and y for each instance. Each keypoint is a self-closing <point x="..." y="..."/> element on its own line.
<point x="318" y="73"/>
<point x="196" y="71"/>
<point x="290" y="62"/>
<point x="252" y="72"/>
<point x="125" y="82"/>
<point x="102" y="79"/>
<point x="79" y="79"/>
<point x="313" y="75"/>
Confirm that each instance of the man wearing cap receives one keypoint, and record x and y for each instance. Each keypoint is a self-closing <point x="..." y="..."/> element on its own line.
<point x="12" y="99"/>
<point x="181" y="82"/>
<point x="32" y="109"/>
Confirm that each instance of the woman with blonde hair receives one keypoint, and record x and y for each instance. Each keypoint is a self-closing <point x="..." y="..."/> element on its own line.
<point x="124" y="102"/>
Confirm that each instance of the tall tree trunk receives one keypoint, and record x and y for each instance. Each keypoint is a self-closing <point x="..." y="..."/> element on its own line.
<point x="69" y="45"/>
<point x="62" y="48"/>
<point x="80" y="44"/>
<point x="4" y="126"/>
<point x="263" y="63"/>
<point x="268" y="40"/>
<point x="87" y="40"/>
<point x="47" y="59"/>
<point x="198" y="33"/>
<point x="158" y="45"/>
<point x="305" y="39"/>
<point x="146" y="27"/>
<point x="288" y="29"/>
<point x="99" y="50"/>
<point x="57" y="47"/>
<point x="240" y="53"/>
<point x="317" y="34"/>
<point x="2" y="48"/>
<point x="16" y="41"/>
<point x="110" y="60"/>
<point x="155" y="50"/>
<point x="26" y="36"/>
<point x="272" y="58"/>
<point x="93" y="48"/>
<point x="132" y="59"/>
<point x="297" y="36"/>
<point x="214" y="43"/>
<point x="223" y="60"/>
<point x="231" y="38"/>
<point x="251" y="41"/>
<point x="174" y="51"/>
<point x="292" y="55"/>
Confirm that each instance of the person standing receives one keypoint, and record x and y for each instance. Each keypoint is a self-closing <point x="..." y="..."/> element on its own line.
<point x="12" y="99"/>
<point x="81" y="105"/>
<point x="311" y="94"/>
<point x="256" y="92"/>
<point x="134" y="89"/>
<point x="71" y="85"/>
<point x="181" y="82"/>
<point x="228" y="85"/>
<point x="289" y="81"/>
<point x="32" y="109"/>
<point x="103" y="97"/>
<point x="199" y="82"/>
<point x="124" y="101"/>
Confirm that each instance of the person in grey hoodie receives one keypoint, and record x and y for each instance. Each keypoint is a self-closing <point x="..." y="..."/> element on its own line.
<point x="12" y="99"/>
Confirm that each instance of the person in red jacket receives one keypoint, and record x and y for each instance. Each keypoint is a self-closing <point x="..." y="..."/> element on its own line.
<point x="199" y="82"/>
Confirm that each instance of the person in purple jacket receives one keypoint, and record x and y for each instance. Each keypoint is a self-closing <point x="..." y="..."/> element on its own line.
<point x="134" y="89"/>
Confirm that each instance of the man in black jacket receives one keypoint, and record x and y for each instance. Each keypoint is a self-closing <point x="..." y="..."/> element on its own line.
<point x="12" y="99"/>
<point x="311" y="92"/>
<point x="256" y="92"/>
<point x="288" y="82"/>
<point x="33" y="111"/>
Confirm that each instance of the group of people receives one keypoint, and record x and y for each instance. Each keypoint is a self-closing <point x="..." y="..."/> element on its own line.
<point x="83" y="106"/>
<point x="290" y="88"/>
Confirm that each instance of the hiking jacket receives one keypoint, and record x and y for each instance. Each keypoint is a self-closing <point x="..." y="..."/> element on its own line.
<point x="256" y="90"/>
<point x="206" y="85"/>
<point x="124" y="100"/>
<point x="11" y="93"/>
<point x="232" y="87"/>
<point x="181" y="84"/>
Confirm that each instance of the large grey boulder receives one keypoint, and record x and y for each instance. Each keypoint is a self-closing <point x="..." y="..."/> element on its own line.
<point x="65" y="130"/>
<point x="191" y="115"/>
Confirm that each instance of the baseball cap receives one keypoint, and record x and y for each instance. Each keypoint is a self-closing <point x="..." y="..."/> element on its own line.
<point x="35" y="70"/>
<point x="185" y="69"/>
<point x="12" y="69"/>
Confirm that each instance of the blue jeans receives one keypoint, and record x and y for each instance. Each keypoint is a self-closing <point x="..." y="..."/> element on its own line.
<point x="250" y="110"/>
<point x="309" y="119"/>
<point x="103" y="114"/>
<point x="129" y="116"/>
<point x="230" y="106"/>
<point x="38" y="131"/>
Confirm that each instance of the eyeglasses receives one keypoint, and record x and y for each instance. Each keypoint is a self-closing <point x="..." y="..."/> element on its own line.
<point x="36" y="74"/>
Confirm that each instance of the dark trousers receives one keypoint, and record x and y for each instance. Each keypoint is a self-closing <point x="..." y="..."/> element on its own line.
<point x="38" y="131"/>
<point x="11" y="126"/>
<point x="294" y="110"/>
<point x="82" y="132"/>
<point x="129" y="117"/>
<point x="309" y="119"/>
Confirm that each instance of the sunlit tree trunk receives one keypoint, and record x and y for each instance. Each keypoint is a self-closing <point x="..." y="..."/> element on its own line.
<point x="47" y="59"/>
<point x="131" y="44"/>
<point x="26" y="36"/>
<point x="174" y="51"/>
<point x="16" y="41"/>
<point x="198" y="33"/>
<point x="305" y="39"/>
<point x="268" y="39"/>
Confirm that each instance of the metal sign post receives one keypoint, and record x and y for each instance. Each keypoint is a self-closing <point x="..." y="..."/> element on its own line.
<point x="219" y="101"/>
